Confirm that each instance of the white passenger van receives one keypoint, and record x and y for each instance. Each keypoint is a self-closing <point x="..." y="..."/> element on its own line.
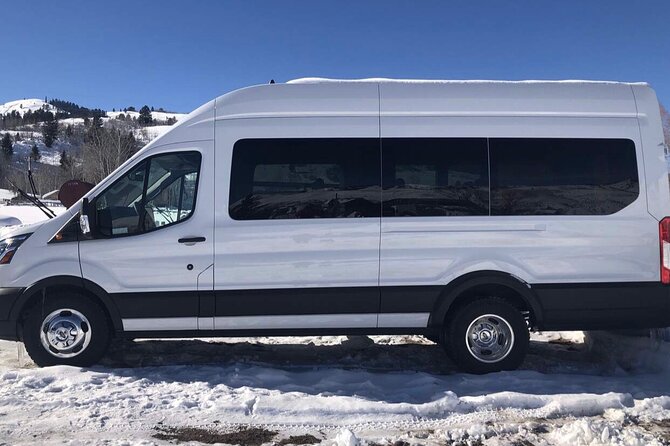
<point x="468" y="212"/>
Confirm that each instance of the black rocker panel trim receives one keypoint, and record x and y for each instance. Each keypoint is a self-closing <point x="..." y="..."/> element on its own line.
<point x="409" y="299"/>
<point x="8" y="330"/>
<point x="575" y="306"/>
<point x="279" y="332"/>
<point x="248" y="302"/>
<point x="592" y="306"/>
<point x="157" y="304"/>
<point x="8" y="296"/>
<point x="564" y="306"/>
<point x="339" y="300"/>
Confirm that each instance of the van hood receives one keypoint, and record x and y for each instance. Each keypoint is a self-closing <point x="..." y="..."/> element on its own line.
<point x="6" y="220"/>
<point x="10" y="231"/>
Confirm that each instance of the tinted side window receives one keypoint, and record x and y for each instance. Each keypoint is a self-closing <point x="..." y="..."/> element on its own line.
<point x="305" y="178"/>
<point x="435" y="177"/>
<point x="546" y="176"/>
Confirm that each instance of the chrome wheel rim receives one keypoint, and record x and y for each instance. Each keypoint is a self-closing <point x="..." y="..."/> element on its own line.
<point x="65" y="333"/>
<point x="489" y="338"/>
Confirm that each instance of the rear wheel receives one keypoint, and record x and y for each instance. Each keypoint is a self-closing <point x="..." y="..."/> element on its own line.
<point x="69" y="329"/>
<point x="487" y="335"/>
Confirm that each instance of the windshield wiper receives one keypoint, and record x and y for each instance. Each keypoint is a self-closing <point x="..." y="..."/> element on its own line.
<point x="34" y="198"/>
<point x="41" y="206"/>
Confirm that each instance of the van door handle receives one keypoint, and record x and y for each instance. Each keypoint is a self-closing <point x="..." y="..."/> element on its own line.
<point x="191" y="240"/>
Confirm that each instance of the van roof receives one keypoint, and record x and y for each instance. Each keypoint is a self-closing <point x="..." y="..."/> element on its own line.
<point x="333" y="97"/>
<point x="320" y="97"/>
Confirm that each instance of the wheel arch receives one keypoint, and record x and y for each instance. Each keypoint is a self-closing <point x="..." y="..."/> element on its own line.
<point x="474" y="284"/>
<point x="30" y="295"/>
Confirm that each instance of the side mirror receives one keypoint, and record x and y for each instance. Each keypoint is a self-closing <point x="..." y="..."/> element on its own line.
<point x="84" y="223"/>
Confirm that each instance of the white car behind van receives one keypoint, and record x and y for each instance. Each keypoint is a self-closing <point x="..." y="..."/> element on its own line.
<point x="468" y="212"/>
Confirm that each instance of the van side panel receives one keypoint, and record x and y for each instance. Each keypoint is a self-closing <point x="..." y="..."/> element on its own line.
<point x="423" y="251"/>
<point x="653" y="148"/>
<point x="152" y="277"/>
<point x="595" y="271"/>
<point x="268" y="269"/>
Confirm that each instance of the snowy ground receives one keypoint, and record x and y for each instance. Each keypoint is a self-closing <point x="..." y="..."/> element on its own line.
<point x="378" y="390"/>
<point x="602" y="389"/>
<point x="27" y="213"/>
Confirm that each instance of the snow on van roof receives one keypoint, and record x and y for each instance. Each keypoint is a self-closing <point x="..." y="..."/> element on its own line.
<point x="322" y="80"/>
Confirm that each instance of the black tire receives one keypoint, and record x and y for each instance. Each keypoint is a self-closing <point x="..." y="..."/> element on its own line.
<point x="505" y="318"/>
<point x="96" y="327"/>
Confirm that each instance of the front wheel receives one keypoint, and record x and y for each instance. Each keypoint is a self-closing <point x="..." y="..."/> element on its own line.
<point x="487" y="335"/>
<point x="69" y="329"/>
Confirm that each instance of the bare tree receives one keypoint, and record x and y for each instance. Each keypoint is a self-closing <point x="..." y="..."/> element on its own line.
<point x="45" y="176"/>
<point x="105" y="149"/>
<point x="665" y="119"/>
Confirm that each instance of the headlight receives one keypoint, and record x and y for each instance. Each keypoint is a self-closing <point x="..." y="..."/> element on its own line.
<point x="9" y="246"/>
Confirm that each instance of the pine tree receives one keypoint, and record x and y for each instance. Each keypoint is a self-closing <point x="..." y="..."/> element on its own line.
<point x="145" y="118"/>
<point x="65" y="161"/>
<point x="7" y="146"/>
<point x="35" y="154"/>
<point x="50" y="132"/>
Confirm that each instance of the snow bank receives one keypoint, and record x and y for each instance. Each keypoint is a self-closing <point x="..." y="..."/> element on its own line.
<point x="320" y="80"/>
<point x="599" y="433"/>
<point x="344" y="438"/>
<point x="577" y="404"/>
<point x="151" y="133"/>
<point x="26" y="214"/>
<point x="6" y="194"/>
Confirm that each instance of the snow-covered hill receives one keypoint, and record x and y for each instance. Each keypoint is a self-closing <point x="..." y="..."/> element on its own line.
<point x="23" y="148"/>
<point x="22" y="106"/>
<point x="25" y="137"/>
<point x="155" y="115"/>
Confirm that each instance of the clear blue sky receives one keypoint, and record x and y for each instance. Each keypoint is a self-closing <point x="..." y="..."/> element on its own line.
<point x="180" y="54"/>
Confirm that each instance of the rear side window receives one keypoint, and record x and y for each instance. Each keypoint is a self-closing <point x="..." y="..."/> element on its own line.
<point x="435" y="177"/>
<point x="551" y="176"/>
<point x="305" y="178"/>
